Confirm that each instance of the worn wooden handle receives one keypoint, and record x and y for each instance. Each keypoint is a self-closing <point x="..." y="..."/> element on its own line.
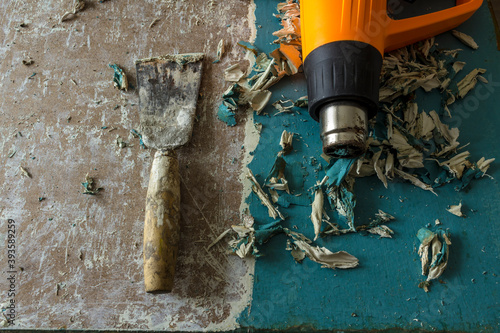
<point x="161" y="225"/>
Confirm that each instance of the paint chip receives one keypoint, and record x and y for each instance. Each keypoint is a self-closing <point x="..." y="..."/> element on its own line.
<point x="433" y="251"/>
<point x="221" y="49"/>
<point x="286" y="142"/>
<point x="257" y="189"/>
<point x="89" y="186"/>
<point x="119" y="79"/>
<point x="24" y="172"/>
<point x="466" y="39"/>
<point x="78" y="6"/>
<point x="456" y="210"/>
<point x="322" y="255"/>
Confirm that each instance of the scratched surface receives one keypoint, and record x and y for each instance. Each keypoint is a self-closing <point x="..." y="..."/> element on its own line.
<point x="81" y="255"/>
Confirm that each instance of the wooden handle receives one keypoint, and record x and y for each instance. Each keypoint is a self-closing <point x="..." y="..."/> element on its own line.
<point x="161" y="225"/>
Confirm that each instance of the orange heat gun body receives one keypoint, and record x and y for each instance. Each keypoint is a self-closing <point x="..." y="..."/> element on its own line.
<point x="343" y="43"/>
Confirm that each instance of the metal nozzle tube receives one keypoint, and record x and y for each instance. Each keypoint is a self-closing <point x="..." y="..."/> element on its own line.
<point x="344" y="129"/>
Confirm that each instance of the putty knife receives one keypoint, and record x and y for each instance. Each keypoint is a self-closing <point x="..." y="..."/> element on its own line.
<point x="168" y="91"/>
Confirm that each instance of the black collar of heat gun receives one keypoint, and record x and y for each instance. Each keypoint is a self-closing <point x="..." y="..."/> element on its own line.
<point x="343" y="71"/>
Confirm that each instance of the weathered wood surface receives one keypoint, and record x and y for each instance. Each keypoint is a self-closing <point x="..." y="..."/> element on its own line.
<point x="82" y="255"/>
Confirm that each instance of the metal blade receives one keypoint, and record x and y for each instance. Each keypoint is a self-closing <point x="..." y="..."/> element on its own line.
<point x="168" y="91"/>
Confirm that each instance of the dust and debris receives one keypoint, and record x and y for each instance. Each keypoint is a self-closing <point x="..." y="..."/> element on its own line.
<point x="377" y="226"/>
<point x="243" y="243"/>
<point x="60" y="286"/>
<point x="433" y="251"/>
<point x="466" y="39"/>
<point x="221" y="49"/>
<point x="78" y="6"/>
<point x="28" y="61"/>
<point x="401" y="127"/>
<point x="339" y="191"/>
<point x="120" y="80"/>
<point x="456" y="210"/>
<point x="138" y="135"/>
<point x="458" y="66"/>
<point x="382" y="230"/>
<point x="121" y="143"/>
<point x="282" y="107"/>
<point x="302" y="102"/>
<point x="12" y="152"/>
<point x="153" y="23"/>
<point x="251" y="88"/>
<point x="89" y="186"/>
<point x="24" y="172"/>
<point x="289" y="13"/>
<point x="403" y="72"/>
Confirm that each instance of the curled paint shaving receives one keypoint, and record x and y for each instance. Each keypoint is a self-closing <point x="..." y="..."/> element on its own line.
<point x="317" y="211"/>
<point x="119" y="79"/>
<point x="221" y="48"/>
<point x="466" y="39"/>
<point x="433" y="251"/>
<point x="286" y="142"/>
<point x="276" y="180"/>
<point x="257" y="189"/>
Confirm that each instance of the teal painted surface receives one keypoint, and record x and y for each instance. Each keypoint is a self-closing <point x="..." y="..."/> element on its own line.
<point x="383" y="292"/>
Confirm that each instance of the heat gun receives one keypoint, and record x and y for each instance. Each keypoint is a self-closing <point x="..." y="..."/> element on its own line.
<point x="343" y="43"/>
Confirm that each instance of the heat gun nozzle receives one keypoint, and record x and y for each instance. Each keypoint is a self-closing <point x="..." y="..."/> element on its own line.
<point x="344" y="129"/>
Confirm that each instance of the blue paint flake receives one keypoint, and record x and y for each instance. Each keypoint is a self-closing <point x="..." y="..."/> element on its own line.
<point x="226" y="115"/>
<point x="119" y="78"/>
<point x="337" y="170"/>
<point x="136" y="134"/>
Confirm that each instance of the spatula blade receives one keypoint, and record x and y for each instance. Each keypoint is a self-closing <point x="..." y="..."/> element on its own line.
<point x="168" y="92"/>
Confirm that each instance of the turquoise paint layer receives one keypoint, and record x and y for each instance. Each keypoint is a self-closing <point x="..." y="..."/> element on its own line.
<point x="383" y="293"/>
